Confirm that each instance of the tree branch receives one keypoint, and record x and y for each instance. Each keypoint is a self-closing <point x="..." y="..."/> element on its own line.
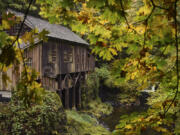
<point x="177" y="58"/>
<point x="129" y="27"/>
<point x="154" y="5"/>
<point x="146" y="24"/>
<point x="22" y="24"/>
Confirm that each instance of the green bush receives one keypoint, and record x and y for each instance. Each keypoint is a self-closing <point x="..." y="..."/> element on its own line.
<point x="84" y="124"/>
<point x="98" y="109"/>
<point x="90" y="94"/>
<point x="90" y="89"/>
<point x="43" y="119"/>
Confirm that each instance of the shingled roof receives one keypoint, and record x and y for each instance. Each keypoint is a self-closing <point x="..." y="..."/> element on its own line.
<point x="55" y="30"/>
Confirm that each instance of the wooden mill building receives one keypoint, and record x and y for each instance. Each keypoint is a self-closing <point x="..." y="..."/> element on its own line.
<point x="63" y="61"/>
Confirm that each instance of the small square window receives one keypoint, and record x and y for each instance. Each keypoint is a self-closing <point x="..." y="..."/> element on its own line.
<point x="52" y="55"/>
<point x="68" y="54"/>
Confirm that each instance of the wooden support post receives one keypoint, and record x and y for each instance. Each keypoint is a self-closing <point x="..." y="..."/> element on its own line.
<point x="67" y="98"/>
<point x="0" y="97"/>
<point x="73" y="97"/>
<point x="78" y="97"/>
<point x="79" y="104"/>
<point x="59" y="82"/>
<point x="59" y="92"/>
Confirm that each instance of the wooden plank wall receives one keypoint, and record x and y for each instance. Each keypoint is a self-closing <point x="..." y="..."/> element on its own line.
<point x="66" y="67"/>
<point x="39" y="55"/>
<point x="47" y="50"/>
<point x="49" y="83"/>
<point x="35" y="54"/>
<point x="49" y="68"/>
<point x="82" y="61"/>
<point x="11" y="73"/>
<point x="9" y="84"/>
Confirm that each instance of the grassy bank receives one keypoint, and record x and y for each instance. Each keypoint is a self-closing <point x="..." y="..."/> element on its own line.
<point x="79" y="123"/>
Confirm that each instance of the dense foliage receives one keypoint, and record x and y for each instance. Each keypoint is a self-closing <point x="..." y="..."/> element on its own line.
<point x="84" y="124"/>
<point x="91" y="101"/>
<point x="11" y="56"/>
<point x="47" y="118"/>
<point x="147" y="33"/>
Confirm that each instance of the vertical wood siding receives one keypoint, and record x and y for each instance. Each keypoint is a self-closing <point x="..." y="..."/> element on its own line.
<point x="48" y="59"/>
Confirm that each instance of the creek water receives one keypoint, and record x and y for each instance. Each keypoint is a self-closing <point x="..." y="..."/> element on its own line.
<point x="113" y="119"/>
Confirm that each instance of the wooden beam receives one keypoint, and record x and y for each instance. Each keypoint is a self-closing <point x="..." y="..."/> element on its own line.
<point x="67" y="98"/>
<point x="79" y="92"/>
<point x="78" y="96"/>
<point x="73" y="97"/>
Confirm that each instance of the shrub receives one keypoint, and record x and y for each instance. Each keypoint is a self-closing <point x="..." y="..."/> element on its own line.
<point x="84" y="124"/>
<point x="46" y="118"/>
<point x="90" y="90"/>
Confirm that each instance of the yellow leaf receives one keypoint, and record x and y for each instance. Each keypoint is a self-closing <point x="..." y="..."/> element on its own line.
<point x="128" y="126"/>
<point x="140" y="29"/>
<point x="5" y="24"/>
<point x="113" y="51"/>
<point x="159" y="122"/>
<point x="160" y="129"/>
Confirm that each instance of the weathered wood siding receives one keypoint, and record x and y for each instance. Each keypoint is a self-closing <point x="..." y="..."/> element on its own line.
<point x="51" y="59"/>
<point x="12" y="74"/>
<point x="9" y="85"/>
<point x="35" y="54"/>
<point x="49" y="83"/>
<point x="50" y="65"/>
<point x="84" y="61"/>
<point x="66" y="51"/>
<point x="81" y="60"/>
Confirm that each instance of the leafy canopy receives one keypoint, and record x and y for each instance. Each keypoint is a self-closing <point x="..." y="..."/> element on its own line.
<point x="146" y="31"/>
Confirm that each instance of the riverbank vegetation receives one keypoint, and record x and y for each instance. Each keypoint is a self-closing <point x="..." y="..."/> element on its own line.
<point x="137" y="40"/>
<point x="51" y="118"/>
<point x="37" y="119"/>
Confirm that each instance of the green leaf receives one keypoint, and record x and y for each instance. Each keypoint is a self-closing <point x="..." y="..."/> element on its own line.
<point x="161" y="64"/>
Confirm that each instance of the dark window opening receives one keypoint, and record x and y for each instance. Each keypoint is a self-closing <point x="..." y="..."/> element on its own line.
<point x="52" y="55"/>
<point x="68" y="55"/>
